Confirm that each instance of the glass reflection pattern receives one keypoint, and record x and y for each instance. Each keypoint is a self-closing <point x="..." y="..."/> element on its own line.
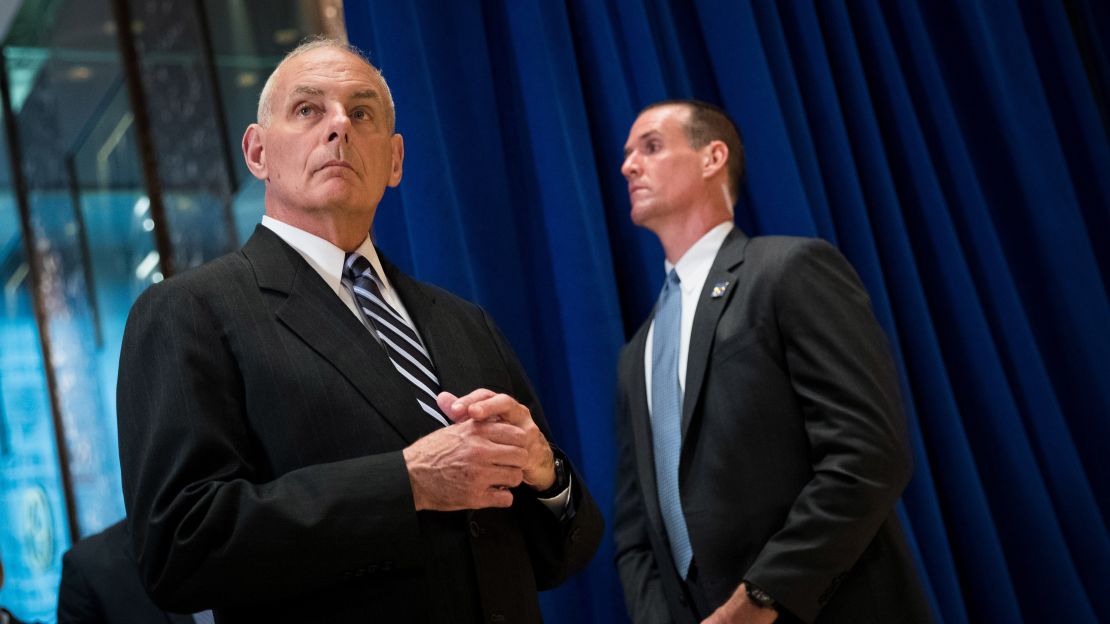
<point x="94" y="231"/>
<point x="33" y="531"/>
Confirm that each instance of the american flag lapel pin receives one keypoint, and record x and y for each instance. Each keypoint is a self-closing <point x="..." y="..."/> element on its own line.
<point x="718" y="290"/>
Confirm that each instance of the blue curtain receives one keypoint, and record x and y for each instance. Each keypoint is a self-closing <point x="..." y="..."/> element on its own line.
<point x="957" y="152"/>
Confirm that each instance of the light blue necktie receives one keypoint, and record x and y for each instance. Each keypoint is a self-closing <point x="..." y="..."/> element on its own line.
<point x="666" y="417"/>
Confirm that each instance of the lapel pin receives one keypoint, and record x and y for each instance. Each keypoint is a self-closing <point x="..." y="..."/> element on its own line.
<point x="719" y="290"/>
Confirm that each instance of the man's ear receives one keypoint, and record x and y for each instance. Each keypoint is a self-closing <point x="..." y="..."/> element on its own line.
<point x="714" y="158"/>
<point x="253" y="151"/>
<point x="397" y="147"/>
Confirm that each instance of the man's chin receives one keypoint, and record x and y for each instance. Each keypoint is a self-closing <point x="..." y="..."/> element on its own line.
<point x="339" y="193"/>
<point x="639" y="214"/>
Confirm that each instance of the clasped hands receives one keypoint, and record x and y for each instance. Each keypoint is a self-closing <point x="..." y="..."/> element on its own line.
<point x="493" y="446"/>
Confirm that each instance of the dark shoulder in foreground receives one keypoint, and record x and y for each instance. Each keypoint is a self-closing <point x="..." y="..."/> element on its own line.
<point x="230" y="271"/>
<point x="781" y="249"/>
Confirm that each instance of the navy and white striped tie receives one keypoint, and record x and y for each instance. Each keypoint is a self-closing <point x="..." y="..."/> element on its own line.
<point x="400" y="340"/>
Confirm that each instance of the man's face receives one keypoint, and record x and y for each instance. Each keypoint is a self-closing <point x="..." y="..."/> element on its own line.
<point x="664" y="172"/>
<point x="328" y="146"/>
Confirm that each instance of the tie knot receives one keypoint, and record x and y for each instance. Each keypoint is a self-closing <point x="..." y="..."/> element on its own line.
<point x="669" y="289"/>
<point x="356" y="266"/>
<point x="671" y="283"/>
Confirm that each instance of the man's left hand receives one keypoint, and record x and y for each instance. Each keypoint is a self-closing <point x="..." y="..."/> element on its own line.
<point x="486" y="405"/>
<point x="741" y="610"/>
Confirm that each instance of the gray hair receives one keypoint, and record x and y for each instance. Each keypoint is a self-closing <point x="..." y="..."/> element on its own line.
<point x="265" y="98"/>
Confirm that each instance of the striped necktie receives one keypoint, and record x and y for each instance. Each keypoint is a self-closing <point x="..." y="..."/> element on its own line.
<point x="400" y="340"/>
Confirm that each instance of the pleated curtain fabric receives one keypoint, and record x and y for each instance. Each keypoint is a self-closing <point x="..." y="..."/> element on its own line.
<point x="956" y="152"/>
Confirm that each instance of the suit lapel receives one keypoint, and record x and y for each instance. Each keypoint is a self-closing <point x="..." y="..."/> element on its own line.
<point x="706" y="315"/>
<point x="317" y="316"/>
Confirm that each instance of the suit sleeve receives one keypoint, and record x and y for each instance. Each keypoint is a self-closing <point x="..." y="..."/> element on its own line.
<point x="639" y="573"/>
<point x="210" y="525"/>
<point x="558" y="548"/>
<point x="841" y="370"/>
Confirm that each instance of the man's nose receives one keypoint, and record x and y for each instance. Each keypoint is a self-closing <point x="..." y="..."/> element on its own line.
<point x="630" y="166"/>
<point x="339" y="126"/>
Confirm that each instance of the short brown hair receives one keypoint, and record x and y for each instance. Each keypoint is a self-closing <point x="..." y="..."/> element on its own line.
<point x="711" y="123"/>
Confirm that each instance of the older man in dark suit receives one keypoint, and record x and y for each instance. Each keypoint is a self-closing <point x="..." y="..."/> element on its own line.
<point x="308" y="434"/>
<point x="762" y="439"/>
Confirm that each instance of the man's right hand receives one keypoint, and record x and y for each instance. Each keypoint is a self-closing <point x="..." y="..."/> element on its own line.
<point x="469" y="465"/>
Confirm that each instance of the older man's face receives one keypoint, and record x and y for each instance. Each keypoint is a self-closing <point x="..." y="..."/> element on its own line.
<point x="664" y="172"/>
<point x="329" y="146"/>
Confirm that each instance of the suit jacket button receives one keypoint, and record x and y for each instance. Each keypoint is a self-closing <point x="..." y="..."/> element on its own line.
<point x="475" y="530"/>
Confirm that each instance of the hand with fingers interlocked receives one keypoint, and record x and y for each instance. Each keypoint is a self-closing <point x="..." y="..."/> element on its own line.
<point x="493" y="445"/>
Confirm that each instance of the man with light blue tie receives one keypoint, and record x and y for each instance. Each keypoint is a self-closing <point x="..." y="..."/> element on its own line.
<point x="762" y="438"/>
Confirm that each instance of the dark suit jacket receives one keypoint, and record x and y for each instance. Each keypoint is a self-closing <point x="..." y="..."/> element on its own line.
<point x="100" y="584"/>
<point x="794" y="447"/>
<point x="261" y="429"/>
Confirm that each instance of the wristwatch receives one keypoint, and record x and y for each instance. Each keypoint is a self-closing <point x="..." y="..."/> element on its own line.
<point x="761" y="598"/>
<point x="561" y="479"/>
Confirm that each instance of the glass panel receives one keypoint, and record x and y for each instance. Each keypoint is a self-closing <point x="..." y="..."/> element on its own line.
<point x="249" y="39"/>
<point x="72" y="119"/>
<point x="33" y="528"/>
<point x="193" y="154"/>
<point x="121" y="262"/>
<point x="94" y="233"/>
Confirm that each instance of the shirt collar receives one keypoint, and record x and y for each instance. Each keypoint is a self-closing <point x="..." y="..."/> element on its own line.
<point x="321" y="255"/>
<point x="693" y="267"/>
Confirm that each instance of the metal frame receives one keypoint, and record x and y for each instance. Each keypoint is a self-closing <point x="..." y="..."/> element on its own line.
<point x="129" y="64"/>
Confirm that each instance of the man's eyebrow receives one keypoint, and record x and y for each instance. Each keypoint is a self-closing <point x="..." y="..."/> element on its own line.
<point x="307" y="90"/>
<point x="366" y="94"/>
<point x="649" y="133"/>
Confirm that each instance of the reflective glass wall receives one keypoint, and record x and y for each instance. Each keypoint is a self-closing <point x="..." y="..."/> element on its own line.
<point x="123" y="167"/>
<point x="33" y="525"/>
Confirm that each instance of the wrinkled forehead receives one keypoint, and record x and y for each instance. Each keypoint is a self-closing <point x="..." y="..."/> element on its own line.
<point x="324" y="69"/>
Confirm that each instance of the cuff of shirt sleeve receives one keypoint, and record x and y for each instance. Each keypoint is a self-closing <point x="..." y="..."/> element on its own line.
<point x="560" y="503"/>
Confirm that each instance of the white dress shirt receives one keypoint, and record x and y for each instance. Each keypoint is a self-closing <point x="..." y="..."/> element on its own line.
<point x="692" y="268"/>
<point x="327" y="260"/>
